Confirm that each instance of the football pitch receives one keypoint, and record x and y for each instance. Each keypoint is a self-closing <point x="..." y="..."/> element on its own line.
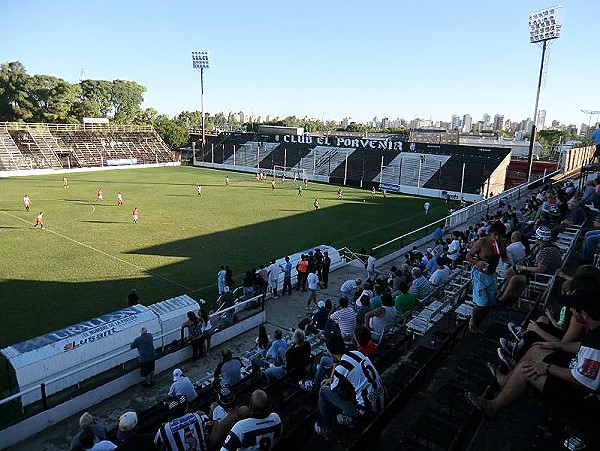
<point x="90" y="254"/>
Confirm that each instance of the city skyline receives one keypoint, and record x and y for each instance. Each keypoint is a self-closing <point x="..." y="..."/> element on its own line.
<point x="325" y="60"/>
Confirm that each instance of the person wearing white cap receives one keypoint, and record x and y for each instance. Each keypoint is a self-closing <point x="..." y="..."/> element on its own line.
<point x="127" y="438"/>
<point x="182" y="386"/>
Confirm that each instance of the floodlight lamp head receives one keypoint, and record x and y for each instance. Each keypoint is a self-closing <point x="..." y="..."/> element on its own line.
<point x="200" y="59"/>
<point x="545" y="25"/>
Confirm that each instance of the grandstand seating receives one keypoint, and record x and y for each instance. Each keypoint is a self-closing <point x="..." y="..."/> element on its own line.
<point x="288" y="155"/>
<point x="57" y="146"/>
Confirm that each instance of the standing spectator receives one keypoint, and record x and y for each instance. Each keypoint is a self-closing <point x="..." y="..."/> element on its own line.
<point x="145" y="347"/>
<point x="342" y="319"/>
<point x="182" y="386"/>
<point x="287" y="276"/>
<point x="260" y="430"/>
<point x="273" y="277"/>
<point x="302" y="268"/>
<point x="326" y="268"/>
<point x="596" y="138"/>
<point x="229" y="277"/>
<point x="454" y="249"/>
<point x="226" y="301"/>
<point x="248" y="285"/>
<point x="312" y="284"/>
<point x="221" y="280"/>
<point x="187" y="431"/>
<point x="207" y="330"/>
<point x="485" y="256"/>
<point x="320" y="317"/>
<point x="98" y="429"/>
<point x="133" y="298"/>
<point x="438" y="233"/>
<point x="127" y="437"/>
<point x="354" y="371"/>
<point x="319" y="263"/>
<point x="371" y="271"/>
<point x="229" y="370"/>
<point x="263" y="279"/>
<point x="195" y="335"/>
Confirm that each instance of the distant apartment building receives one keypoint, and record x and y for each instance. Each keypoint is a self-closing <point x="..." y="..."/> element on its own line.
<point x="467" y="123"/>
<point x="541" y="120"/>
<point x="455" y="122"/>
<point x="499" y="122"/>
<point x="487" y="121"/>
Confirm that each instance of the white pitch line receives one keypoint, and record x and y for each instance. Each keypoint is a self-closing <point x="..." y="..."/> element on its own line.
<point x="125" y="262"/>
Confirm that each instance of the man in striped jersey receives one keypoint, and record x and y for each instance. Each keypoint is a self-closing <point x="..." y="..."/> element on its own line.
<point x="260" y="431"/>
<point x="188" y="432"/>
<point x="355" y="388"/>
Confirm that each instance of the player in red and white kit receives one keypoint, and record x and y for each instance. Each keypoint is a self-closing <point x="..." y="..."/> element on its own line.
<point x="100" y="194"/>
<point x="39" y="220"/>
<point x="135" y="215"/>
<point x="272" y="184"/>
<point x="26" y="202"/>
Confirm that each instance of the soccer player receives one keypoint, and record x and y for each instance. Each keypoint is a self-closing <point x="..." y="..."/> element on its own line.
<point x="316" y="204"/>
<point x="26" y="202"/>
<point x="339" y="193"/>
<point x="305" y="183"/>
<point x="227" y="181"/>
<point x="39" y="220"/>
<point x="299" y="190"/>
<point x="65" y="182"/>
<point x="135" y="215"/>
<point x="258" y="177"/>
<point x="372" y="191"/>
<point x="384" y="193"/>
<point x="100" y="194"/>
<point x="119" y="199"/>
<point x="426" y="207"/>
<point x="198" y="189"/>
<point x="272" y="184"/>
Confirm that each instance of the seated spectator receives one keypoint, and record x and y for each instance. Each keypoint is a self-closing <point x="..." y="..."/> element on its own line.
<point x="363" y="305"/>
<point x="515" y="251"/>
<point x="127" y="437"/>
<point x="548" y="260"/>
<point x="260" y="430"/>
<point x="576" y="213"/>
<point x="296" y="358"/>
<point x="441" y="274"/>
<point x="229" y="370"/>
<point x="591" y="241"/>
<point x="89" y="441"/>
<point x="377" y="320"/>
<point x="349" y="288"/>
<point x="588" y="193"/>
<point x="546" y="328"/>
<point x="431" y="264"/>
<point x="362" y="336"/>
<point x="405" y="301"/>
<point x="353" y="374"/>
<point x="182" y="386"/>
<point x="307" y="325"/>
<point x="320" y="317"/>
<point x="342" y="320"/>
<point x="98" y="429"/>
<point x="225" y="414"/>
<point x="171" y="434"/>
<point x="275" y="353"/>
<point x="263" y="341"/>
<point x="420" y="286"/>
<point x="375" y="301"/>
<point x="549" y="369"/>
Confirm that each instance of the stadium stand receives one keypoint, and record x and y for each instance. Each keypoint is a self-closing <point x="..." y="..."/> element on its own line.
<point x="58" y="146"/>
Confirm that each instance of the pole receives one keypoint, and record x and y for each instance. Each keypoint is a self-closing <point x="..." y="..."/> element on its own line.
<point x="346" y="169"/>
<point x="419" y="176"/>
<point x="535" y="114"/>
<point x="233" y="155"/>
<point x="381" y="171"/>
<point x="462" y="181"/>
<point x="202" y="104"/>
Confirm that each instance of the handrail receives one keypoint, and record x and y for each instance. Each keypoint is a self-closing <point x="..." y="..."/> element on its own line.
<point x="215" y="315"/>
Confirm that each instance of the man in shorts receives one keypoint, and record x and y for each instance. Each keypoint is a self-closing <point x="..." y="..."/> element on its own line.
<point x="565" y="373"/>
<point x="26" y="202"/>
<point x="145" y="347"/>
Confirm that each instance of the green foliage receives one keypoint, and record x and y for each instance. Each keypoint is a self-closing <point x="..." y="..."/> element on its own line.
<point x="173" y="134"/>
<point x="15" y="86"/>
<point x="126" y="98"/>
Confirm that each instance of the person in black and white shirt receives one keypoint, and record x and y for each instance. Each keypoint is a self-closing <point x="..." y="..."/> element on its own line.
<point x="187" y="432"/>
<point x="259" y="432"/>
<point x="355" y="388"/>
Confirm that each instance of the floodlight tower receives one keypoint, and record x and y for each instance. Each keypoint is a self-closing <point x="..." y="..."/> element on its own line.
<point x="544" y="26"/>
<point x="201" y="61"/>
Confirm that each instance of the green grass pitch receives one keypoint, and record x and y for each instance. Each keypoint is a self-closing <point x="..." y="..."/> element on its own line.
<point x="91" y="254"/>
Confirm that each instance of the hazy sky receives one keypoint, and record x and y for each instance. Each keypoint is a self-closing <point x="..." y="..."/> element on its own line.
<point x="323" y="59"/>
